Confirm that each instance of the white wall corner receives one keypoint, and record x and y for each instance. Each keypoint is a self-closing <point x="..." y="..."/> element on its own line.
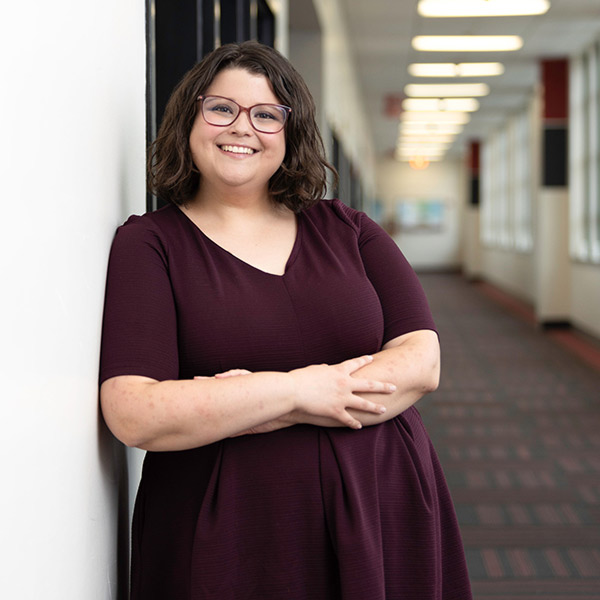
<point x="552" y="261"/>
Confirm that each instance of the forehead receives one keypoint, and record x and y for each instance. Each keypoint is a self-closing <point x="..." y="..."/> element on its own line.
<point x="244" y="87"/>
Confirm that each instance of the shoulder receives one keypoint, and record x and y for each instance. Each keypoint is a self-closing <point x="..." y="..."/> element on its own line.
<point x="155" y="228"/>
<point x="337" y="214"/>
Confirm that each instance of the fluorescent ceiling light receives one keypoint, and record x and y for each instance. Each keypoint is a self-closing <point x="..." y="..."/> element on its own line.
<point x="452" y="104"/>
<point x="416" y="128"/>
<point x="482" y="8"/>
<point x="446" y="90"/>
<point x="485" y="69"/>
<point x="467" y="43"/>
<point x="409" y="138"/>
<point x="402" y="143"/>
<point x="456" y="118"/>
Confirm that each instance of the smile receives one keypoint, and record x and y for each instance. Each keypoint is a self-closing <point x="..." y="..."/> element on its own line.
<point x="237" y="149"/>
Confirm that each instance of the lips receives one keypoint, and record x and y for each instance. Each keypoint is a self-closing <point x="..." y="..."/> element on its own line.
<point x="237" y="149"/>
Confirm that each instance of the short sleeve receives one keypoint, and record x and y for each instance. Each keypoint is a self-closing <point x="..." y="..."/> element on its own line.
<point x="403" y="300"/>
<point x="139" y="331"/>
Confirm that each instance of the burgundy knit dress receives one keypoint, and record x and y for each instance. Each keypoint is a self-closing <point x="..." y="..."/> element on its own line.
<point x="303" y="513"/>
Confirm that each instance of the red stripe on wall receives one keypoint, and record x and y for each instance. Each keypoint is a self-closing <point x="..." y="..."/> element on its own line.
<point x="555" y="78"/>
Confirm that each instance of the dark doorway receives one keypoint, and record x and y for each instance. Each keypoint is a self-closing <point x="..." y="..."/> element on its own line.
<point x="180" y="33"/>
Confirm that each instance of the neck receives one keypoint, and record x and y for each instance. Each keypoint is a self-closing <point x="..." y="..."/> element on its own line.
<point x="232" y="204"/>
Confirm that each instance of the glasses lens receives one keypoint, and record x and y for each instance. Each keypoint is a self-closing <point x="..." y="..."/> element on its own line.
<point x="268" y="118"/>
<point x="219" y="111"/>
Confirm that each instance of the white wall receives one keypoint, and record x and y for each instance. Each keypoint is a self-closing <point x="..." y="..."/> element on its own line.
<point x="443" y="181"/>
<point x="552" y="261"/>
<point x="305" y="54"/>
<point x="472" y="247"/>
<point x="72" y="153"/>
<point x="512" y="271"/>
<point x="585" y="297"/>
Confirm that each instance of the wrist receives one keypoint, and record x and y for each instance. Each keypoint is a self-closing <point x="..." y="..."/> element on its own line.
<point x="292" y="394"/>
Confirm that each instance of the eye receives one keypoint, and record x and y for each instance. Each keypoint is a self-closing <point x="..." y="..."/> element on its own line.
<point x="268" y="113"/>
<point x="222" y="107"/>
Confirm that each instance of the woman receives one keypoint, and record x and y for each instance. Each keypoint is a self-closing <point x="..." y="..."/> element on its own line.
<point x="266" y="348"/>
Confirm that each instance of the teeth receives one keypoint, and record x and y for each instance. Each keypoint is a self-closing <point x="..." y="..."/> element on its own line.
<point x="237" y="149"/>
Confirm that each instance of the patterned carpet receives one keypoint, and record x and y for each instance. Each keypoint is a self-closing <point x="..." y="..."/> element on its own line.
<point x="516" y="423"/>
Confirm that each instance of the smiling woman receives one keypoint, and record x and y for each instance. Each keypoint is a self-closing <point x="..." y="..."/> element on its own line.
<point x="302" y="175"/>
<point x="224" y="130"/>
<point x="267" y="347"/>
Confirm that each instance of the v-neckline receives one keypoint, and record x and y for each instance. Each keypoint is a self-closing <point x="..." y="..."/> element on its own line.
<point x="289" y="262"/>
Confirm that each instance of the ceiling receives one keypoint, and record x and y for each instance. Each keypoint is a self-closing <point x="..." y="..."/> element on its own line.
<point x="380" y="33"/>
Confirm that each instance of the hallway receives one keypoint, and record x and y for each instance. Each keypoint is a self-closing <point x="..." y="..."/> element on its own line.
<point x="516" y="423"/>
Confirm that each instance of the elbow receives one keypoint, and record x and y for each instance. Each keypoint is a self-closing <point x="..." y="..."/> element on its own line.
<point x="121" y="412"/>
<point x="131" y="440"/>
<point x="432" y="375"/>
<point x="430" y="380"/>
<point x="433" y="381"/>
<point x="123" y="429"/>
<point x="130" y="437"/>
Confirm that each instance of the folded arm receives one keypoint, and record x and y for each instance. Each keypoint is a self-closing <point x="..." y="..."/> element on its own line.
<point x="177" y="415"/>
<point x="411" y="362"/>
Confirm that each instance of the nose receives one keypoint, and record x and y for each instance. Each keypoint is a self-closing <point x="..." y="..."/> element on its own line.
<point x="242" y="123"/>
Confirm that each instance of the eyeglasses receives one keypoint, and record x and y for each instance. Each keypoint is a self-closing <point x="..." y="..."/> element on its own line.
<point x="266" y="118"/>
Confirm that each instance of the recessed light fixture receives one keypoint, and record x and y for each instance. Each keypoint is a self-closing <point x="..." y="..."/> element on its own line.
<point x="419" y="163"/>
<point x="486" y="69"/>
<point x="452" y="104"/>
<point x="482" y="8"/>
<point x="446" y="90"/>
<point x="467" y="43"/>
<point x="421" y="159"/>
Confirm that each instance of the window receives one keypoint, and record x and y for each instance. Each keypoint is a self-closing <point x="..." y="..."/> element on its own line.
<point x="487" y="186"/>
<point x="584" y="155"/>
<point x="507" y="184"/>
<point x="524" y="182"/>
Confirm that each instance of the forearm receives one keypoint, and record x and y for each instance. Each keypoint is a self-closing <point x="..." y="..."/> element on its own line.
<point x="177" y="415"/>
<point x="412" y="364"/>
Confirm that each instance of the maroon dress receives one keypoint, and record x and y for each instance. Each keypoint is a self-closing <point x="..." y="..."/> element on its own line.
<point x="303" y="513"/>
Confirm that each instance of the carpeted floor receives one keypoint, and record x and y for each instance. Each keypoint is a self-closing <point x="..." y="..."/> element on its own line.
<point x="516" y="423"/>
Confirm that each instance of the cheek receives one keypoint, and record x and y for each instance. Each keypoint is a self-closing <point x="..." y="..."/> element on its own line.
<point x="281" y="150"/>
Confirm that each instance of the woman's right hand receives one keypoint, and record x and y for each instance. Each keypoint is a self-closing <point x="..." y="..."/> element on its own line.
<point x="325" y="392"/>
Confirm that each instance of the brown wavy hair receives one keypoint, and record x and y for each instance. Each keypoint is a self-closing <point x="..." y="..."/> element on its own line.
<point x="300" y="181"/>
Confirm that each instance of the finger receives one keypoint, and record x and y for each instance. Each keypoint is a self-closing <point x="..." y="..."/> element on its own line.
<point x="350" y="421"/>
<point x="345" y="418"/>
<point x="368" y="406"/>
<point x="232" y="373"/>
<point x="201" y="377"/>
<point x="371" y="385"/>
<point x="354" y="364"/>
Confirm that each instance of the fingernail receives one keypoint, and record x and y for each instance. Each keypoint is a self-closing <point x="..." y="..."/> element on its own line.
<point x="382" y="409"/>
<point x="392" y="387"/>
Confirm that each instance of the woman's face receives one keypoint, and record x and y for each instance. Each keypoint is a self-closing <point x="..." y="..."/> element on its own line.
<point x="237" y="156"/>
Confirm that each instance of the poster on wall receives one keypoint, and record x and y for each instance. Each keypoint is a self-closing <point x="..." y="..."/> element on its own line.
<point x="415" y="215"/>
